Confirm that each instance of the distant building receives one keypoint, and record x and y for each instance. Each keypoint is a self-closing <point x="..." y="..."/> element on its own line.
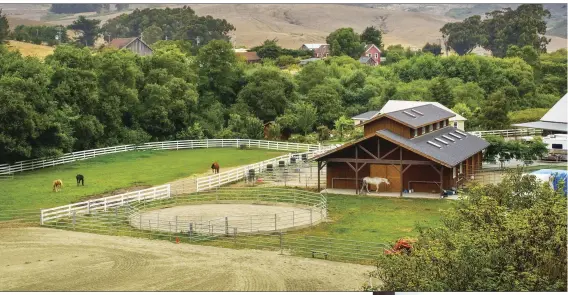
<point x="322" y="51"/>
<point x="368" y="61"/>
<point x="311" y="46"/>
<point x="364" y="117"/>
<point x="304" y="62"/>
<point x="134" y="44"/>
<point x="250" y="57"/>
<point x="555" y="121"/>
<point x="371" y="56"/>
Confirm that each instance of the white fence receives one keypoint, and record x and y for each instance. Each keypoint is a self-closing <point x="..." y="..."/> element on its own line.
<point x="508" y="132"/>
<point x="164" y="191"/>
<point x="86" y="207"/>
<point x="217" y="180"/>
<point x="164" y="145"/>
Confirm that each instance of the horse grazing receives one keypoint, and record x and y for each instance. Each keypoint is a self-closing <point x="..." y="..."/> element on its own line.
<point x="215" y="167"/>
<point x="374" y="180"/>
<point x="57" y="185"/>
<point x="80" y="179"/>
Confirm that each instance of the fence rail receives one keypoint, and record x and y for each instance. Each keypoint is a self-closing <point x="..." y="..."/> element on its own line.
<point x="87" y="207"/>
<point x="21" y="166"/>
<point x="265" y="232"/>
<point x="508" y="132"/>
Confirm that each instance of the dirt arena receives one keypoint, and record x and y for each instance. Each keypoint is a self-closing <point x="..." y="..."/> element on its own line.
<point x="245" y="218"/>
<point x="41" y="259"/>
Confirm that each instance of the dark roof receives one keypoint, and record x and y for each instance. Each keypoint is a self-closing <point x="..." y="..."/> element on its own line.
<point x="420" y="116"/>
<point x="365" y="59"/>
<point x="121" y="42"/>
<point x="249" y="56"/>
<point x="554" y="126"/>
<point x="440" y="145"/>
<point x="365" y="116"/>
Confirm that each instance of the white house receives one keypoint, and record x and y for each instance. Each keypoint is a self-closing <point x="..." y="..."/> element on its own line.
<point x="397" y="105"/>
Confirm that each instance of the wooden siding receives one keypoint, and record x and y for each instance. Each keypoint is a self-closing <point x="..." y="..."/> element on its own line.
<point x="389" y="172"/>
<point x="388" y="124"/>
<point x="139" y="48"/>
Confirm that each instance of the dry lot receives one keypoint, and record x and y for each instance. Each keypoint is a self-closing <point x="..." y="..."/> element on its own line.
<point x="41" y="259"/>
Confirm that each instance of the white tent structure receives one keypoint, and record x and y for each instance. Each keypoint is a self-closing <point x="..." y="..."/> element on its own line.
<point x="554" y="121"/>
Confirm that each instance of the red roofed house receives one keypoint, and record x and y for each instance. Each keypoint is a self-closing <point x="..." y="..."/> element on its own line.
<point x="249" y="57"/>
<point x="134" y="44"/>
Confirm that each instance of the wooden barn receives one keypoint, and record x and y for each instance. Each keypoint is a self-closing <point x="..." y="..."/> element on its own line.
<point x="413" y="148"/>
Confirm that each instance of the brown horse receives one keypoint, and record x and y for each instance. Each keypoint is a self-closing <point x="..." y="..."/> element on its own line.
<point x="57" y="185"/>
<point x="215" y="167"/>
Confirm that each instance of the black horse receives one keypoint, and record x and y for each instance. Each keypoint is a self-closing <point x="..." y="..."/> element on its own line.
<point x="80" y="179"/>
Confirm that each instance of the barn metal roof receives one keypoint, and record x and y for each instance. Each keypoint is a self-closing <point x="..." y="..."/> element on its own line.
<point x="449" y="145"/>
<point x="365" y="116"/>
<point x="554" y="126"/>
<point x="420" y="116"/>
<point x="396" y="105"/>
<point x="559" y="112"/>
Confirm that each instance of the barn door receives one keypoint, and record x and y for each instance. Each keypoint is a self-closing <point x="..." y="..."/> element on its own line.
<point x="389" y="172"/>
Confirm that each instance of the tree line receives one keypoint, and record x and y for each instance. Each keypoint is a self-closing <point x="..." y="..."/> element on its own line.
<point x="524" y="26"/>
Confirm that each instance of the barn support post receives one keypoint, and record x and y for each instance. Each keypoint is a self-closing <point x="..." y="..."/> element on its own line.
<point x="442" y="181"/>
<point x="319" y="168"/>
<point x="379" y="148"/>
<point x="356" y="170"/>
<point x="401" y="174"/>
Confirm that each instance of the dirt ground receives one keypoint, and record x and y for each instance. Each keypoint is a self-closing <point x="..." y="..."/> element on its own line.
<point x="41" y="259"/>
<point x="245" y="218"/>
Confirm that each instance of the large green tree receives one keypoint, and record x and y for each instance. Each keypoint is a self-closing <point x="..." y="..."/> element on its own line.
<point x="89" y="30"/>
<point x="268" y="92"/>
<point x="4" y="27"/>
<point x="509" y="236"/>
<point x="218" y="73"/>
<point x="521" y="27"/>
<point x="345" y="41"/>
<point x="372" y="35"/>
<point x="463" y="37"/>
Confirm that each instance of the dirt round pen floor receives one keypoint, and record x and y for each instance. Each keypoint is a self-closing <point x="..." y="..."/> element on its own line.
<point x="42" y="259"/>
<point x="228" y="218"/>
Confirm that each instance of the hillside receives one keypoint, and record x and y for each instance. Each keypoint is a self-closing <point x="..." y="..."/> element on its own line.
<point x="28" y="49"/>
<point x="294" y="24"/>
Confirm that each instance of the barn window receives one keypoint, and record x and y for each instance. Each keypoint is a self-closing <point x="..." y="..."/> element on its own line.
<point x="442" y="124"/>
<point x="437" y="125"/>
<point x="428" y="128"/>
<point x="461" y="169"/>
<point x="454" y="172"/>
<point x="456" y="124"/>
<point x="423" y="130"/>
<point x="415" y="132"/>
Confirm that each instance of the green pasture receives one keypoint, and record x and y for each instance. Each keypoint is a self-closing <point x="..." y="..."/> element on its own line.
<point x="104" y="174"/>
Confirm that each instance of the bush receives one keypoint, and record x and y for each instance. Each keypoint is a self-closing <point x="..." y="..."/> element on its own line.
<point x="323" y="133"/>
<point x="310" y="138"/>
<point x="528" y="115"/>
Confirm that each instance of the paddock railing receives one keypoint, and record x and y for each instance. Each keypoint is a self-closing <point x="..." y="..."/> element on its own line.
<point x="88" y="207"/>
<point x="231" y="176"/>
<point x="33" y="164"/>
<point x="508" y="132"/>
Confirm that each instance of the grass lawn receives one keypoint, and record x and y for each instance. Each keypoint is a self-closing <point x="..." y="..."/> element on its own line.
<point x="377" y="219"/>
<point x="33" y="189"/>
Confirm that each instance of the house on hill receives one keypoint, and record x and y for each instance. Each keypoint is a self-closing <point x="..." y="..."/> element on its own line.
<point x="134" y="44"/>
<point x="249" y="57"/>
<point x="371" y="56"/>
<point x="416" y="149"/>
<point x="320" y="50"/>
<point x="364" y="117"/>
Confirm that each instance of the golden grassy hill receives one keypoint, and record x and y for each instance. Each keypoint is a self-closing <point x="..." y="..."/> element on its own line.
<point x="28" y="49"/>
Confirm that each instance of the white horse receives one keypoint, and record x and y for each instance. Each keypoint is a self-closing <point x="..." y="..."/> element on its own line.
<point x="374" y="180"/>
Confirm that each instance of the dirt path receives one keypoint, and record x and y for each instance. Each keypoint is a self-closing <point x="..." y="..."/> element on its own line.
<point x="41" y="259"/>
